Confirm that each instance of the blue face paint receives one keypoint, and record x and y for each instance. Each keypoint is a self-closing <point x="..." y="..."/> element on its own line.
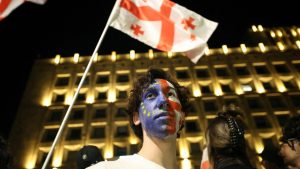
<point x="160" y="110"/>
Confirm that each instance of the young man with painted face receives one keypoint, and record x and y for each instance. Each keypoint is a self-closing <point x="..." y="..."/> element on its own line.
<point x="290" y="147"/>
<point x="157" y="107"/>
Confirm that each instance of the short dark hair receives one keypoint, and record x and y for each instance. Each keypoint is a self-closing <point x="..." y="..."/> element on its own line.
<point x="291" y="129"/>
<point x="141" y="84"/>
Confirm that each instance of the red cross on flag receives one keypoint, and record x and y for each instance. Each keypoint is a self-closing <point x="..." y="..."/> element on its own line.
<point x="7" y="6"/>
<point x="164" y="25"/>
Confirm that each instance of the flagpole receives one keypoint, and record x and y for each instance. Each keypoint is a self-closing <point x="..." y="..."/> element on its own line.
<point x="80" y="84"/>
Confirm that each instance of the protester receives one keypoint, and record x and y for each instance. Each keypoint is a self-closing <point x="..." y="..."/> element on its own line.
<point x="226" y="145"/>
<point x="290" y="147"/>
<point x="157" y="107"/>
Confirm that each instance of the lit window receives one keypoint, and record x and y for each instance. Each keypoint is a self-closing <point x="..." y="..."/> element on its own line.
<point x="282" y="69"/>
<point x="81" y="97"/>
<point x="101" y="96"/>
<point x="98" y="132"/>
<point x="206" y="90"/>
<point x="58" y="98"/>
<point x="122" y="94"/>
<point x="102" y="79"/>
<point x="222" y="72"/>
<point x="86" y="80"/>
<point x="99" y="113"/>
<point x="254" y="103"/>
<point x="192" y="110"/>
<point x="77" y="114"/>
<point x="247" y="88"/>
<point x="262" y="122"/>
<point x="277" y="102"/>
<point x="192" y="126"/>
<point x="210" y="105"/>
<point x="182" y="74"/>
<point x="121" y="112"/>
<point x="262" y="70"/>
<point x="122" y="78"/>
<point x="202" y="73"/>
<point x="74" y="134"/>
<point x="269" y="86"/>
<point x="242" y="71"/>
<point x="226" y="88"/>
<point x="49" y="135"/>
<point x="122" y="131"/>
<point x="55" y="115"/>
<point x="62" y="81"/>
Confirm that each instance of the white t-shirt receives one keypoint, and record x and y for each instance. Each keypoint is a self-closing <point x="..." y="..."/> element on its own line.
<point x="127" y="162"/>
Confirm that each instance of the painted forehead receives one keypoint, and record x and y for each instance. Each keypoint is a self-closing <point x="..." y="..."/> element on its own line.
<point x="161" y="82"/>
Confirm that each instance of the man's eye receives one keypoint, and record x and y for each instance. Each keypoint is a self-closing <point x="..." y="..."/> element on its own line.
<point x="171" y="94"/>
<point x="150" y="96"/>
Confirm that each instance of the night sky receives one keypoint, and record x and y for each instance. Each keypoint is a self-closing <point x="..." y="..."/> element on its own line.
<point x="71" y="26"/>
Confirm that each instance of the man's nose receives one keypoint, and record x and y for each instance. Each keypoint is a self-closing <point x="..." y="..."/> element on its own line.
<point x="162" y="102"/>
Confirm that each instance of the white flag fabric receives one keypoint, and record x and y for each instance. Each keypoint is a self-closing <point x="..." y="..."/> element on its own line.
<point x="40" y="2"/>
<point x="7" y="6"/>
<point x="164" y="25"/>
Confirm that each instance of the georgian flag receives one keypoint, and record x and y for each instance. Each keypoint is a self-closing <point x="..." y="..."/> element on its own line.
<point x="7" y="6"/>
<point x="164" y="25"/>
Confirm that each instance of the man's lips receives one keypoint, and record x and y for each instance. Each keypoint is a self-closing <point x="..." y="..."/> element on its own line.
<point x="163" y="114"/>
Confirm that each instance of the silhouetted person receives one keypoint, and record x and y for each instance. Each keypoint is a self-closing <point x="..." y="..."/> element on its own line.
<point x="87" y="156"/>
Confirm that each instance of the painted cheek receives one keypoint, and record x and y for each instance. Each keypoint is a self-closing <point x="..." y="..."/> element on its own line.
<point x="171" y="119"/>
<point x="144" y="111"/>
<point x="175" y="107"/>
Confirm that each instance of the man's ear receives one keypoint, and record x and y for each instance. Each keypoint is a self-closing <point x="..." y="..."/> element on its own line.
<point x="136" y="119"/>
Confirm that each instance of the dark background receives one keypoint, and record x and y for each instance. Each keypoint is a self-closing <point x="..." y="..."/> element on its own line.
<point x="68" y="26"/>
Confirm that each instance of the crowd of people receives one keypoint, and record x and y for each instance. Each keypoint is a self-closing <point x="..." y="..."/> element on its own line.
<point x="157" y="107"/>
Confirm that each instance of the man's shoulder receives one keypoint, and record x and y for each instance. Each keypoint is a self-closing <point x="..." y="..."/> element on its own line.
<point x="127" y="162"/>
<point x="121" y="163"/>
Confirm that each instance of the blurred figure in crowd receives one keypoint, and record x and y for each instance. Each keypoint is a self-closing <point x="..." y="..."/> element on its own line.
<point x="226" y="145"/>
<point x="290" y="143"/>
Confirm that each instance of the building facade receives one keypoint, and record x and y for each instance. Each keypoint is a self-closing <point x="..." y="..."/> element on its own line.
<point x="262" y="78"/>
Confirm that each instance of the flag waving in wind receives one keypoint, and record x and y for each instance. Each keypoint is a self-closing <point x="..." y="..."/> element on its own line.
<point x="164" y="25"/>
<point x="7" y="6"/>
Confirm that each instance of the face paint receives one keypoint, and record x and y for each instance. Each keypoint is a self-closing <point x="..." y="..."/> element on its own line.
<point x="160" y="110"/>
